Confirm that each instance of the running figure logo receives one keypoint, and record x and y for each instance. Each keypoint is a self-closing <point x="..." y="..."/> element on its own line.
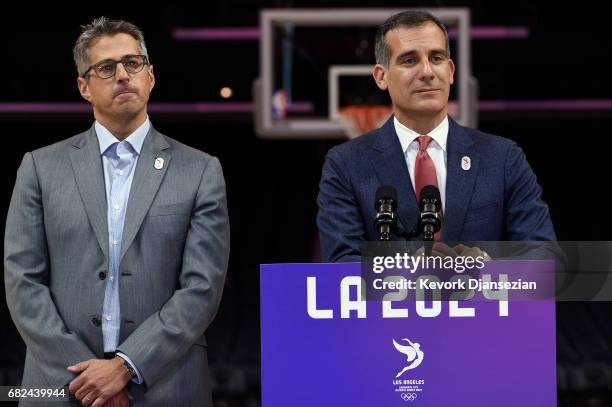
<point x="413" y="354"/>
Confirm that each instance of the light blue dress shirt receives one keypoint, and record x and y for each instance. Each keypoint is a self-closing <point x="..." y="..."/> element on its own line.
<point x="119" y="160"/>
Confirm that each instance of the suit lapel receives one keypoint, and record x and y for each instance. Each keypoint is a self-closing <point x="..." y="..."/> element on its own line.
<point x="87" y="165"/>
<point x="390" y="166"/>
<point x="459" y="182"/>
<point x="145" y="184"/>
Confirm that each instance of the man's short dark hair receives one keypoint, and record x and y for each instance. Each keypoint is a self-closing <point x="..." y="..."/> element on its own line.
<point x="408" y="19"/>
<point x="98" y="28"/>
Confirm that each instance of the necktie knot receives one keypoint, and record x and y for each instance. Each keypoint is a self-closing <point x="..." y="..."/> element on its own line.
<point x="424" y="142"/>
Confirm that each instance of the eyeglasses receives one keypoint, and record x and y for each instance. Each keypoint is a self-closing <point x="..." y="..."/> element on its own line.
<point x="107" y="68"/>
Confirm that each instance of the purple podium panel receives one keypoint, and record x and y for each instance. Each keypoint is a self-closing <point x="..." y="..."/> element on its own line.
<point x="323" y="344"/>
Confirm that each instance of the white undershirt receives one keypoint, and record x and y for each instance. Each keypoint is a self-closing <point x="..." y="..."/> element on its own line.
<point x="436" y="150"/>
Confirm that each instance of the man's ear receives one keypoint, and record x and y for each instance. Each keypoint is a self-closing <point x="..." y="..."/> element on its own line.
<point x="452" y="71"/>
<point x="151" y="78"/>
<point x="83" y="86"/>
<point x="380" y="76"/>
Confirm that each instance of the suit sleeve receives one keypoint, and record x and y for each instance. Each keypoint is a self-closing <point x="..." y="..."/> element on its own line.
<point x="166" y="336"/>
<point x="527" y="215"/>
<point x="26" y="275"/>
<point x="339" y="219"/>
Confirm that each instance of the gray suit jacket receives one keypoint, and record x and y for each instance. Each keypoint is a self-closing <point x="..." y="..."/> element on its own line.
<point x="172" y="266"/>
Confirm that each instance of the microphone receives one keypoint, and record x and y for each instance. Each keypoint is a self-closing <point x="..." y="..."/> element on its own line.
<point x="385" y="205"/>
<point x="429" y="219"/>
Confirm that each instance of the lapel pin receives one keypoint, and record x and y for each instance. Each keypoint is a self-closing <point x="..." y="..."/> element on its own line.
<point x="466" y="163"/>
<point x="159" y="163"/>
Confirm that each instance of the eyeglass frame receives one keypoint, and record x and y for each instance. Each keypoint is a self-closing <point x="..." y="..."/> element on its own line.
<point x="116" y="62"/>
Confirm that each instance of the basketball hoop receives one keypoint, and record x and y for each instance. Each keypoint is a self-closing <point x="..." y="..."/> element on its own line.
<point x="359" y="119"/>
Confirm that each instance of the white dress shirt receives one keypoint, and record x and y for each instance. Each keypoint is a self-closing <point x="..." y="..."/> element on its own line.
<point x="436" y="150"/>
<point x="119" y="159"/>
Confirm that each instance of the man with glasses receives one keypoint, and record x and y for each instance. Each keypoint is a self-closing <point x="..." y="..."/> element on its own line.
<point x="117" y="244"/>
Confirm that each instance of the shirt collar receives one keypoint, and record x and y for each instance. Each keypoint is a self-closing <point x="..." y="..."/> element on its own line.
<point x="407" y="136"/>
<point x="136" y="139"/>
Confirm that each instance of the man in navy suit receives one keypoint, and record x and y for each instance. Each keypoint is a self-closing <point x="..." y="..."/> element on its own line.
<point x="488" y="190"/>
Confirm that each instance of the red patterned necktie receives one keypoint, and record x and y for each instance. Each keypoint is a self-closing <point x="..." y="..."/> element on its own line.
<point x="424" y="170"/>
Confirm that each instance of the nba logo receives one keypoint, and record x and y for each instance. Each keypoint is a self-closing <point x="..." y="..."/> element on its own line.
<point x="279" y="104"/>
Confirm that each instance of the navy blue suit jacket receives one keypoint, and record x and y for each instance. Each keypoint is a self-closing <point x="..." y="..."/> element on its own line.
<point x="497" y="199"/>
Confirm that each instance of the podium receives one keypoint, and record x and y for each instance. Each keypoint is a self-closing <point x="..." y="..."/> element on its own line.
<point x="323" y="345"/>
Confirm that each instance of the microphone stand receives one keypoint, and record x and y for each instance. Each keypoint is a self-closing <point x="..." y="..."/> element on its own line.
<point x="407" y="235"/>
<point x="428" y="223"/>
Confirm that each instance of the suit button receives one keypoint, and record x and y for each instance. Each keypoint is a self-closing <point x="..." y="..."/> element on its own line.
<point x="96" y="321"/>
<point x="101" y="275"/>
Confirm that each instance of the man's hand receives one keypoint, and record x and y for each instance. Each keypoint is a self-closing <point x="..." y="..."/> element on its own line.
<point x="439" y="249"/>
<point x="465" y="251"/>
<point x="121" y="399"/>
<point x="98" y="381"/>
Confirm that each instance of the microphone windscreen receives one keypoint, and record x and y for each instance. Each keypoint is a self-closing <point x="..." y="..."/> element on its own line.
<point x="386" y="192"/>
<point x="430" y="192"/>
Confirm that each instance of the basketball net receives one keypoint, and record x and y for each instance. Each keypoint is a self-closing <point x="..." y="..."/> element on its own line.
<point x="360" y="119"/>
